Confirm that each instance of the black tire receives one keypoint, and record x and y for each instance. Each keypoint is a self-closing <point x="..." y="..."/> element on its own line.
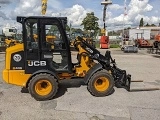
<point x="40" y="82"/>
<point x="122" y="48"/>
<point x="155" y="44"/>
<point x="98" y="77"/>
<point x="158" y="45"/>
<point x="139" y="46"/>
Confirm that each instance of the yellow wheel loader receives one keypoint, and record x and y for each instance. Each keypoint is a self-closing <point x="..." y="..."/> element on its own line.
<point x="40" y="65"/>
<point x="86" y="37"/>
<point x="11" y="42"/>
<point x="11" y="37"/>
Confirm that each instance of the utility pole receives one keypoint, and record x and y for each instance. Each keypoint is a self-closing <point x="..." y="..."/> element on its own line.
<point x="105" y="3"/>
<point x="44" y="7"/>
<point x="104" y="40"/>
<point x="70" y="31"/>
<point x="125" y="13"/>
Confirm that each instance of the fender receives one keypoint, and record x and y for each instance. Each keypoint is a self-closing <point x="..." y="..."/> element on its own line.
<point x="42" y="71"/>
<point x="91" y="71"/>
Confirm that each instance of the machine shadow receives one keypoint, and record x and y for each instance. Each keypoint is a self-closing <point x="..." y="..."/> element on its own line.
<point x="24" y="90"/>
<point x="65" y="84"/>
<point x="156" y="56"/>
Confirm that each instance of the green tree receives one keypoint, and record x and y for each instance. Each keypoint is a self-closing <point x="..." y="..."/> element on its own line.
<point x="147" y="25"/>
<point x="90" y="22"/>
<point x="153" y="25"/>
<point x="52" y="30"/>
<point x="141" y="24"/>
<point x="127" y="28"/>
<point x="112" y="33"/>
<point x="67" y="28"/>
<point x="73" y="30"/>
<point x="78" y="30"/>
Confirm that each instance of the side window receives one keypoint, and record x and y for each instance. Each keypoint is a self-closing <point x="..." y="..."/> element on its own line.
<point x="32" y="37"/>
<point x="53" y="38"/>
<point x="54" y="46"/>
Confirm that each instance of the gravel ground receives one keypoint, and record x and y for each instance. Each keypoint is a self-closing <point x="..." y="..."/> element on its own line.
<point x="74" y="102"/>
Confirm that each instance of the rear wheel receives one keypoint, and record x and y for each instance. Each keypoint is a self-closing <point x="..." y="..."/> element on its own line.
<point x="100" y="84"/>
<point x="43" y="87"/>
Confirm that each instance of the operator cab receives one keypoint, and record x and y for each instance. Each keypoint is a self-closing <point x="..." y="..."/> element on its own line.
<point x="45" y="44"/>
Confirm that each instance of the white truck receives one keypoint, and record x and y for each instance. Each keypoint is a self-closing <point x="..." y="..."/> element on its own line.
<point x="9" y="31"/>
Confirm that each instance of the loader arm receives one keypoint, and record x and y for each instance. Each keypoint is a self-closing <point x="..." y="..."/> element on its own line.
<point x="121" y="78"/>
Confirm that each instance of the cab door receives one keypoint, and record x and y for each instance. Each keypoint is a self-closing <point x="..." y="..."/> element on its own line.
<point x="31" y="46"/>
<point x="54" y="45"/>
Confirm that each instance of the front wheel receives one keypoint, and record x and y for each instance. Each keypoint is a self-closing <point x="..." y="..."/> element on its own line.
<point x="43" y="87"/>
<point x="100" y="84"/>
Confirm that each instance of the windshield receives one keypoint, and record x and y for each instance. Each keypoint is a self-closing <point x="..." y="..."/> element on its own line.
<point x="31" y="29"/>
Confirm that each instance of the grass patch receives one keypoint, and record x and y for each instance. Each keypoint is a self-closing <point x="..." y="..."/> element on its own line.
<point x="97" y="45"/>
<point x="114" y="46"/>
<point x="111" y="45"/>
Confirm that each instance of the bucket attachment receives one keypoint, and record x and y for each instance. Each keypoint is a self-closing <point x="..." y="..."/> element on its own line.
<point x="122" y="79"/>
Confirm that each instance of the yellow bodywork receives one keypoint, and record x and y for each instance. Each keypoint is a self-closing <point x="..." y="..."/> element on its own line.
<point x="85" y="62"/>
<point x="17" y="77"/>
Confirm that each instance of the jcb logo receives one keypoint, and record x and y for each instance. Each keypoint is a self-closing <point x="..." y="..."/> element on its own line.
<point x="37" y="63"/>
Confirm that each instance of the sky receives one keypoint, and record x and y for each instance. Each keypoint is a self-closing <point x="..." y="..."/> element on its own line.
<point x="76" y="11"/>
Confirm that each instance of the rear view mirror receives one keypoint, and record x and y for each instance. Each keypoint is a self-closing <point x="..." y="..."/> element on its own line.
<point x="20" y="19"/>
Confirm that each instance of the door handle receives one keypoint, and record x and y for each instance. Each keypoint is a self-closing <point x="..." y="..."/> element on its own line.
<point x="30" y="50"/>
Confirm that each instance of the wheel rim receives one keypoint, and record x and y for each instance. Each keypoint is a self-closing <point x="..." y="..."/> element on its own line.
<point x="43" y="87"/>
<point x="101" y="84"/>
